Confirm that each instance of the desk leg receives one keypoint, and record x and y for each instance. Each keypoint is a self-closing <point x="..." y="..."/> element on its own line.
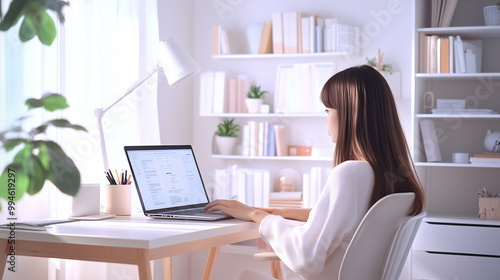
<point x="167" y="268"/>
<point x="144" y="265"/>
<point x="212" y="255"/>
<point x="4" y="245"/>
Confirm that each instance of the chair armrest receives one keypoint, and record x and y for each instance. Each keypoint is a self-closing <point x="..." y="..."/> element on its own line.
<point x="266" y="256"/>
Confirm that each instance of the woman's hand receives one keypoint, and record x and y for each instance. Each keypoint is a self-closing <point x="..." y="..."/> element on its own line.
<point x="237" y="209"/>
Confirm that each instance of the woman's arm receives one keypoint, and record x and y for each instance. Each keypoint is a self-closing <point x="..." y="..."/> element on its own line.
<point x="299" y="214"/>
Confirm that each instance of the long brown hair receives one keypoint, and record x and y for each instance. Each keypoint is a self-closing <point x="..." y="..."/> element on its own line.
<point x="369" y="129"/>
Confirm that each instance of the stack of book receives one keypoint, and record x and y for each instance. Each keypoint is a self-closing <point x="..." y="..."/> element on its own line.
<point x="249" y="186"/>
<point x="286" y="199"/>
<point x="264" y="139"/>
<point x="312" y="185"/>
<point x="299" y="85"/>
<point x="449" y="54"/>
<point x="220" y="94"/>
<point x="493" y="159"/>
<point x="297" y="32"/>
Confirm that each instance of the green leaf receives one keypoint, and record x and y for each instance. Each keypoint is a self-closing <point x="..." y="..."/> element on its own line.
<point x="13" y="14"/>
<point x="10" y="144"/>
<point x="55" y="5"/>
<point x="37" y="175"/>
<point x="43" y="154"/>
<point x="62" y="172"/>
<point x="52" y="102"/>
<point x="39" y="129"/>
<point x="33" y="103"/>
<point x="65" y="123"/>
<point x="45" y="27"/>
<point x="19" y="179"/>
<point x="78" y="127"/>
<point x="27" y="30"/>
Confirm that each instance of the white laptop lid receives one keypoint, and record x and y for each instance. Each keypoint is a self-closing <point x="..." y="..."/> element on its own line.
<point x="167" y="177"/>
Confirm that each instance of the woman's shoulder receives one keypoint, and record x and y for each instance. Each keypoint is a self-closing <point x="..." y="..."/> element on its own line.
<point x="353" y="165"/>
<point x="352" y="168"/>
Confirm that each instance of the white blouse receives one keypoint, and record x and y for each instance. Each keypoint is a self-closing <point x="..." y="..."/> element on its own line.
<point x="314" y="249"/>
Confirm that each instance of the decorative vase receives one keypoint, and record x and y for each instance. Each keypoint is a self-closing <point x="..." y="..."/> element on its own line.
<point x="253" y="105"/>
<point x="491" y="15"/>
<point x="492" y="140"/>
<point x="225" y="144"/>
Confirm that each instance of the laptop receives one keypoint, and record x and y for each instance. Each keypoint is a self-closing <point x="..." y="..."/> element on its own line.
<point x="169" y="182"/>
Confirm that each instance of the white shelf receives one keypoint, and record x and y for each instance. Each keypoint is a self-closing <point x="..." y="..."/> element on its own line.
<point x="460" y="220"/>
<point x="468" y="32"/>
<point x="279" y="56"/>
<point x="285" y="158"/>
<point x="451" y="164"/>
<point x="458" y="116"/>
<point x="456" y="75"/>
<point x="269" y="115"/>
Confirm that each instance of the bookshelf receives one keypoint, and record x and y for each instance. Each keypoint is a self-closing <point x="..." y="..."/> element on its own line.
<point x="324" y="55"/>
<point x="451" y="188"/>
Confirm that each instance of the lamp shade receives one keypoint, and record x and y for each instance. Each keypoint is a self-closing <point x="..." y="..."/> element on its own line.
<point x="177" y="64"/>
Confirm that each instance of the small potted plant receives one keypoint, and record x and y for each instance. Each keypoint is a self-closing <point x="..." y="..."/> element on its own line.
<point x="492" y="14"/>
<point x="225" y="136"/>
<point x="254" y="99"/>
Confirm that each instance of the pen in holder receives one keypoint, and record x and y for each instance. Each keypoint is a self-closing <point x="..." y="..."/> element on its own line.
<point x="118" y="200"/>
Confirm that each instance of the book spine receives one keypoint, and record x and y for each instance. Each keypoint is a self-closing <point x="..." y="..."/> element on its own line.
<point x="430" y="141"/>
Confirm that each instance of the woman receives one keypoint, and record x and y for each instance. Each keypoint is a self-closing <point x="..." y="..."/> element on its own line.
<point x="371" y="160"/>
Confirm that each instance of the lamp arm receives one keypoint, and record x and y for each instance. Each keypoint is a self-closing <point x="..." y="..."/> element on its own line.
<point x="99" y="113"/>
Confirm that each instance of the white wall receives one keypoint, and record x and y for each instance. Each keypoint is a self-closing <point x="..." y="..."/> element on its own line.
<point x="386" y="24"/>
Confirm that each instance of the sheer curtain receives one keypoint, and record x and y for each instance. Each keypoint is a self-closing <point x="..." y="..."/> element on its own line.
<point x="108" y="46"/>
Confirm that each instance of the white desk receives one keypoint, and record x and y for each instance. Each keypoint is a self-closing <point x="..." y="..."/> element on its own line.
<point x="129" y="240"/>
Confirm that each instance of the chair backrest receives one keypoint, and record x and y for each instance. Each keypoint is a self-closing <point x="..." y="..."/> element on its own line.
<point x="381" y="243"/>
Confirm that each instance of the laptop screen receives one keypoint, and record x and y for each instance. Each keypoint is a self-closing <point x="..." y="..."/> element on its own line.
<point x="166" y="176"/>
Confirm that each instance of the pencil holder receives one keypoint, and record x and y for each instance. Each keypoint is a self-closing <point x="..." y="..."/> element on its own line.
<point x="118" y="200"/>
<point x="489" y="208"/>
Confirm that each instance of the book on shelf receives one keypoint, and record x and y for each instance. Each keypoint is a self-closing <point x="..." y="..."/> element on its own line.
<point x="220" y="40"/>
<point x="430" y="141"/>
<point x="277" y="33"/>
<point x="299" y="85"/>
<point x="485" y="158"/>
<point x="290" y="32"/>
<point x="444" y="55"/>
<point x="222" y="94"/>
<point x="312" y="185"/>
<point x="215" y="39"/>
<point x="280" y="140"/>
<point x="249" y="186"/>
<point x="496" y="155"/>
<point x="263" y="139"/>
<point x="449" y="54"/>
<point x="266" y="41"/>
<point x="305" y="35"/>
<point x="442" y="12"/>
<point x="219" y="92"/>
<point x="206" y="92"/>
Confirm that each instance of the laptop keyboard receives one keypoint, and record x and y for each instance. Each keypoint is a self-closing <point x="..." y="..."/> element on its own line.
<point x="193" y="211"/>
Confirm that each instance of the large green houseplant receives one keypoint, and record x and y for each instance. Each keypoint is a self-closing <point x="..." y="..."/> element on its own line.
<point x="37" y="159"/>
<point x="36" y="21"/>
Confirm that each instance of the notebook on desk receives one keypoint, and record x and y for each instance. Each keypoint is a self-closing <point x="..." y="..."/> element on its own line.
<point x="169" y="183"/>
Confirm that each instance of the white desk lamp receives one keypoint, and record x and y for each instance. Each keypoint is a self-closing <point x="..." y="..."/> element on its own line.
<point x="177" y="65"/>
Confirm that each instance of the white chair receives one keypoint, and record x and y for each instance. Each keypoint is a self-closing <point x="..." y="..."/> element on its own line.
<point x="381" y="243"/>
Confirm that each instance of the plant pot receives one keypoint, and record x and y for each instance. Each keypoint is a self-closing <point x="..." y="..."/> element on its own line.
<point x="491" y="15"/>
<point x="225" y="144"/>
<point x="253" y="105"/>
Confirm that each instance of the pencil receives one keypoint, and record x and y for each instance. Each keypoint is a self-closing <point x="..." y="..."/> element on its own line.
<point x="128" y="180"/>
<point x="117" y="176"/>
